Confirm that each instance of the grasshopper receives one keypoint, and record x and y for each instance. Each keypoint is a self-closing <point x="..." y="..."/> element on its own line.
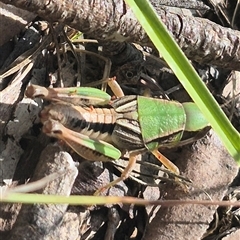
<point x="100" y="129"/>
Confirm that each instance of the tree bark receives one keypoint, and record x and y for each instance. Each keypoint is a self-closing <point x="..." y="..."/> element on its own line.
<point x="201" y="40"/>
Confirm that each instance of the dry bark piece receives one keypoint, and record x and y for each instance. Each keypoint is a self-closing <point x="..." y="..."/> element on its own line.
<point x="36" y="221"/>
<point x="211" y="169"/>
<point x="24" y="116"/>
<point x="68" y="230"/>
<point x="13" y="20"/>
<point x="9" y="99"/>
<point x="233" y="236"/>
<point x="92" y="176"/>
<point x="189" y="4"/>
<point x="30" y="39"/>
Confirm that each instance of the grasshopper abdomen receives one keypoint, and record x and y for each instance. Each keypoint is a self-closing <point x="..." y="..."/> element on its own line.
<point x="97" y="123"/>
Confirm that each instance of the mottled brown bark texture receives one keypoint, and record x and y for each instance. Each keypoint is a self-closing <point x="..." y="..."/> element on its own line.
<point x="211" y="169"/>
<point x="37" y="220"/>
<point x="202" y="40"/>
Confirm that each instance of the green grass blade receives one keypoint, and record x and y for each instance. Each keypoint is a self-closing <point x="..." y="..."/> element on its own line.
<point x="32" y="198"/>
<point x="186" y="74"/>
<point x="28" y="198"/>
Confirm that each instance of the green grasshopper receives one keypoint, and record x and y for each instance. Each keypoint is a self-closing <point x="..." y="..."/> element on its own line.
<point x="100" y="129"/>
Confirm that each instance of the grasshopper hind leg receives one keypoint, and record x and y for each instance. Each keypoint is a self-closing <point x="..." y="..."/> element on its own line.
<point x="166" y="162"/>
<point x="131" y="164"/>
<point x="174" y="169"/>
<point x="125" y="174"/>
